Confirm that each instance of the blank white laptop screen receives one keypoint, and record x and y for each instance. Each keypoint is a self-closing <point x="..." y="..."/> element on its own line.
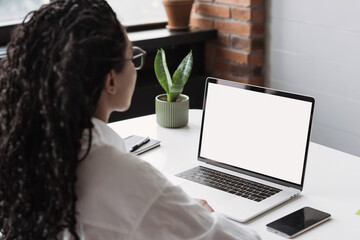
<point x="259" y="132"/>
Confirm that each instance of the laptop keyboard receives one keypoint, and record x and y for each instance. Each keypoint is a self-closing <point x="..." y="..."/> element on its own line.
<point x="229" y="183"/>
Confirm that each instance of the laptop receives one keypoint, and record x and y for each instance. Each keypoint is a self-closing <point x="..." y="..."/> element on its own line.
<point x="252" y="149"/>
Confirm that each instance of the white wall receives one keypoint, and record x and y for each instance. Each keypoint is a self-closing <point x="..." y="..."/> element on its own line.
<point x="313" y="47"/>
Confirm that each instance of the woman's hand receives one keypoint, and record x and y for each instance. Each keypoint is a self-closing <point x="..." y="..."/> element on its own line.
<point x="205" y="204"/>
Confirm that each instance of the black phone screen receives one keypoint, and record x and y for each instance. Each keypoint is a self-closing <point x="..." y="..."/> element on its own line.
<point x="298" y="221"/>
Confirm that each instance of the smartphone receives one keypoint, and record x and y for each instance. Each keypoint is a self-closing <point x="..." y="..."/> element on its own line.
<point x="298" y="222"/>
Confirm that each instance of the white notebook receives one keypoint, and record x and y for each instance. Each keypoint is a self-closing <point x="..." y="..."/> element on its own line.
<point x="130" y="141"/>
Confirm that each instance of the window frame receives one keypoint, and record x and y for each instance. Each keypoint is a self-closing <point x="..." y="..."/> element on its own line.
<point x="5" y="33"/>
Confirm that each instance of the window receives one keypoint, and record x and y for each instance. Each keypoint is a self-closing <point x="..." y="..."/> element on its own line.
<point x="13" y="12"/>
<point x="136" y="12"/>
<point x="133" y="12"/>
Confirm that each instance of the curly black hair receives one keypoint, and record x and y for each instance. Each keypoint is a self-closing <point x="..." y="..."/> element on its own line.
<point x="50" y="83"/>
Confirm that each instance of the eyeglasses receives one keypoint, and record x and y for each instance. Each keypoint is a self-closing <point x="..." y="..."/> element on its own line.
<point x="138" y="57"/>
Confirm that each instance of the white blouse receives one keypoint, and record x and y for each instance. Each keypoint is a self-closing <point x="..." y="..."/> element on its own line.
<point x="120" y="196"/>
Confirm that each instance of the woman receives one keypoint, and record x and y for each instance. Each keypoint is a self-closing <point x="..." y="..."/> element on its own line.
<point x="64" y="173"/>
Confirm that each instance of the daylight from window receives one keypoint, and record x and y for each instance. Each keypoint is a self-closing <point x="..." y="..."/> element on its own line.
<point x="14" y="11"/>
<point x="132" y="12"/>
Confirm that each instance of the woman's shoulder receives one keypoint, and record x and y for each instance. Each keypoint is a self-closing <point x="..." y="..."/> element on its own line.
<point x="109" y="160"/>
<point x="116" y="187"/>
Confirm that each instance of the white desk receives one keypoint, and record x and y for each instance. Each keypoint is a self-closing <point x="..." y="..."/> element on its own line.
<point x="332" y="179"/>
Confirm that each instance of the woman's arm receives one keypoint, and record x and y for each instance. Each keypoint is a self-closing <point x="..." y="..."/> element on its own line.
<point x="174" y="215"/>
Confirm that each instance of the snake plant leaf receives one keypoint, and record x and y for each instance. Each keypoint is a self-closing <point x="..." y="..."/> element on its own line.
<point x="180" y="77"/>
<point x="161" y="70"/>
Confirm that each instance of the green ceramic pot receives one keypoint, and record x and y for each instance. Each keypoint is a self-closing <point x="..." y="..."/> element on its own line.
<point x="172" y="114"/>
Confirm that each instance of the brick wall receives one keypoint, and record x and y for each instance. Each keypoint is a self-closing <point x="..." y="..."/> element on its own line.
<point x="237" y="53"/>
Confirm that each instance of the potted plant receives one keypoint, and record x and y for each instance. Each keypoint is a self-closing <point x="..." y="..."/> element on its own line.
<point x="172" y="108"/>
<point x="178" y="13"/>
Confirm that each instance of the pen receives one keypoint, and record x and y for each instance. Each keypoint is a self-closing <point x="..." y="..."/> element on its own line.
<point x="139" y="144"/>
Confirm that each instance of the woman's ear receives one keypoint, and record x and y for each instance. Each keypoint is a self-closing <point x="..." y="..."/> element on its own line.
<point x="110" y="83"/>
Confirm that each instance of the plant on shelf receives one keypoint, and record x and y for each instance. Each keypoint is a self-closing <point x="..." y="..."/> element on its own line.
<point x="172" y="108"/>
<point x="178" y="13"/>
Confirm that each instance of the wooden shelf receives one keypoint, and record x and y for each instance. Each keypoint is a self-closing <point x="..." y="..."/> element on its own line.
<point x="151" y="39"/>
